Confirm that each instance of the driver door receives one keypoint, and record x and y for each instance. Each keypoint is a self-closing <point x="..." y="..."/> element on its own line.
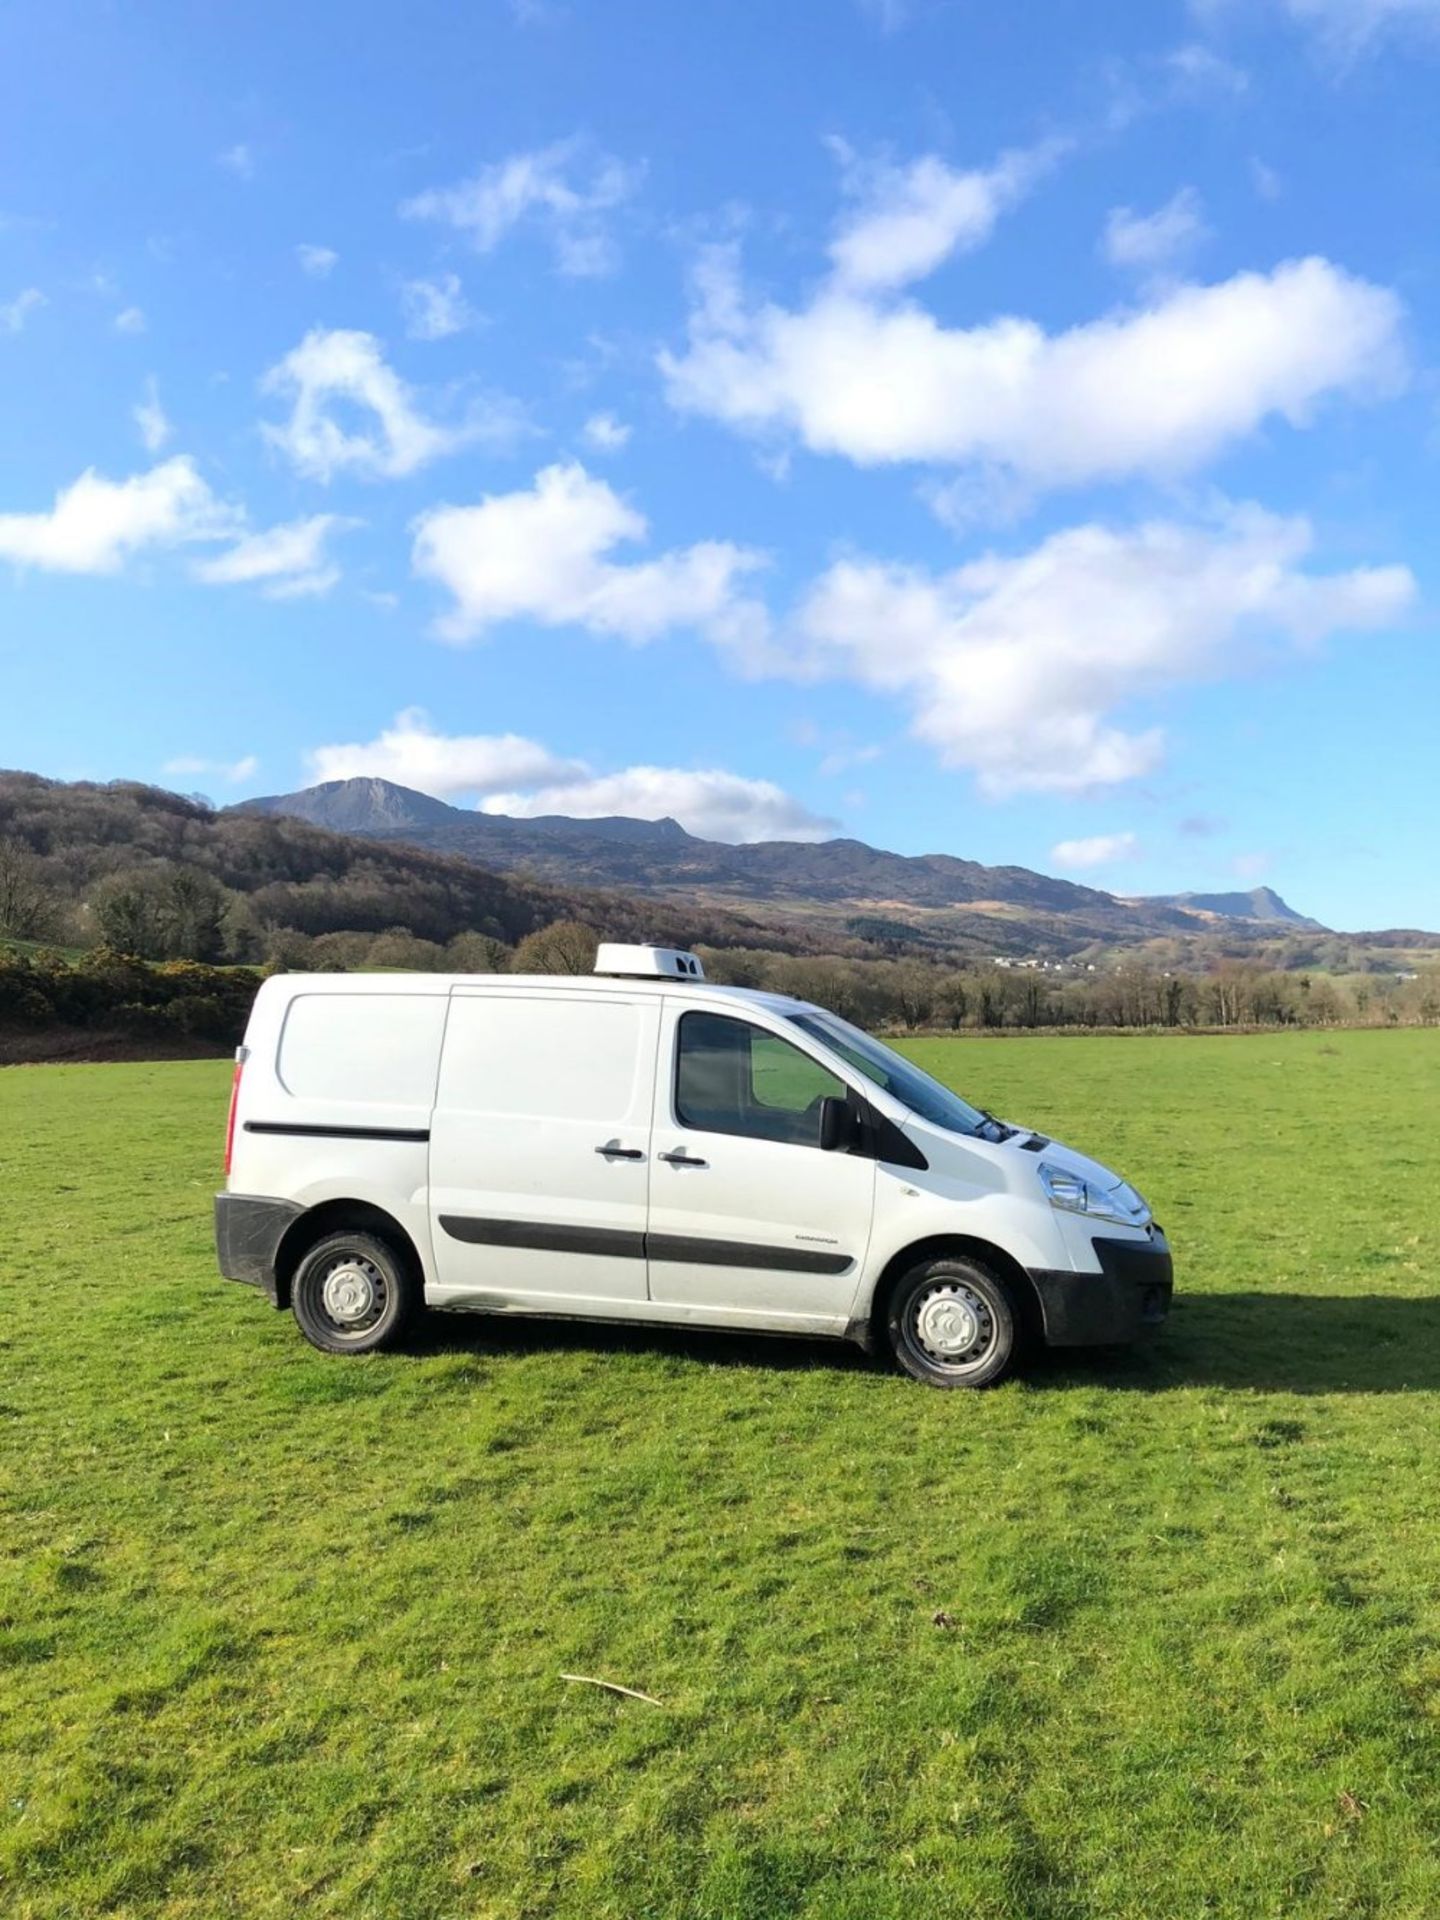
<point x="750" y="1221"/>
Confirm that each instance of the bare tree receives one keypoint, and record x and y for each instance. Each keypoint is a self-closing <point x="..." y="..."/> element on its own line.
<point x="29" y="907"/>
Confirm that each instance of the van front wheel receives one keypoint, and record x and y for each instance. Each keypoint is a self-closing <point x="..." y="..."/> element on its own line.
<point x="952" y="1323"/>
<point x="352" y="1294"/>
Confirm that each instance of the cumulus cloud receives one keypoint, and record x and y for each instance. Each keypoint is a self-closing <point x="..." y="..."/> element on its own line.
<point x="150" y="418"/>
<point x="286" y="562"/>
<point x="238" y="160"/>
<point x="522" y="778"/>
<point x="907" y="220"/>
<point x="566" y="190"/>
<point x="130" y="320"/>
<point x="347" y="366"/>
<point x="543" y="554"/>
<point x="1155" y="242"/>
<point x="318" y="262"/>
<point x="1098" y="850"/>
<point x="435" y="309"/>
<point x="413" y="753"/>
<point x="96" y="524"/>
<point x="605" y="433"/>
<point x="14" y="313"/>
<point x="708" y="802"/>
<point x="1157" y="389"/>
<point x="1015" y="668"/>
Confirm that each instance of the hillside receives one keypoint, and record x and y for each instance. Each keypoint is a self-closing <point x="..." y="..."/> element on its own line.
<point x="865" y="891"/>
<point x="247" y="874"/>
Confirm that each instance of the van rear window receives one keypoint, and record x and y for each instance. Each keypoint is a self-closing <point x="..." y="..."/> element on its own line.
<point x="376" y="1049"/>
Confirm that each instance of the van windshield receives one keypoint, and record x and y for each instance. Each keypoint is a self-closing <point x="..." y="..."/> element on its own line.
<point x="893" y="1072"/>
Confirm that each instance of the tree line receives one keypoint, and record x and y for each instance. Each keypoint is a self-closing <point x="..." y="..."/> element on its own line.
<point x="158" y="878"/>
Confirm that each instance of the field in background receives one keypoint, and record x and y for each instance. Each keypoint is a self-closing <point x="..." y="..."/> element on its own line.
<point x="1147" y="1634"/>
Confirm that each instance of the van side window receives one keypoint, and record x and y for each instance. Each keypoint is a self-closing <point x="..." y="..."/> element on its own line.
<point x="731" y="1077"/>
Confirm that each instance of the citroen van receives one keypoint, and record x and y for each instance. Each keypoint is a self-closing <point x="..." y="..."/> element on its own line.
<point x="642" y="1145"/>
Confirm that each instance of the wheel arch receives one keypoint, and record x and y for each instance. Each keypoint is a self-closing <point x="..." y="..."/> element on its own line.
<point x="334" y="1216"/>
<point x="870" y="1330"/>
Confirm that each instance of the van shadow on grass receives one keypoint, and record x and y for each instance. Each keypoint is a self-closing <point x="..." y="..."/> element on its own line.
<point x="1274" y="1343"/>
<point x="1267" y="1342"/>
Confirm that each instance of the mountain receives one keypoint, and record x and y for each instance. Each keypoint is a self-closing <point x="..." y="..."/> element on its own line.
<point x="1260" y="903"/>
<point x="279" y="870"/>
<point x="357" y="806"/>
<point x="859" y="890"/>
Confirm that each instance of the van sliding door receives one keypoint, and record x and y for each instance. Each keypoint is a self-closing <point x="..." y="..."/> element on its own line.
<point x="540" y="1149"/>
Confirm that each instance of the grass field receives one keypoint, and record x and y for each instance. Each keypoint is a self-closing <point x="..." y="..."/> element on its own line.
<point x="282" y="1634"/>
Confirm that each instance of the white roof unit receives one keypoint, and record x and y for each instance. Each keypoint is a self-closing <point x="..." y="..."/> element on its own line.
<point x="647" y="962"/>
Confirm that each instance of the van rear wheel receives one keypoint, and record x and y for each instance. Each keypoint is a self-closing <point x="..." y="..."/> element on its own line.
<point x="952" y="1323"/>
<point x="352" y="1293"/>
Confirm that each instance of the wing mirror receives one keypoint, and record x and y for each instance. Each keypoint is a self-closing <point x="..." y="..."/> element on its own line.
<point x="839" y="1125"/>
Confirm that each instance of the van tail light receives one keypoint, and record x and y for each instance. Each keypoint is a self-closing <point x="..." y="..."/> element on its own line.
<point x="240" y="1057"/>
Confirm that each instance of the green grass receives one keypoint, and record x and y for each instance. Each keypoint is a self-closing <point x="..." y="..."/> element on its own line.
<point x="281" y="1633"/>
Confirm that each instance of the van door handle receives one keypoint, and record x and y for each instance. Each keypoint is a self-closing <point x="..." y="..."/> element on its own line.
<point x="679" y="1159"/>
<point x="611" y="1152"/>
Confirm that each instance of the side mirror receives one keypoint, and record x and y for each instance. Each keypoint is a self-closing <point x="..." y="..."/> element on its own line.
<point x="839" y="1125"/>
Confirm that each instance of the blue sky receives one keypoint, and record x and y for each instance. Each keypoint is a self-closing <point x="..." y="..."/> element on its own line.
<point x="1004" y="431"/>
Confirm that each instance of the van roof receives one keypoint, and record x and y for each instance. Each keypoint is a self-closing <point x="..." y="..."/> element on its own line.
<point x="569" y="983"/>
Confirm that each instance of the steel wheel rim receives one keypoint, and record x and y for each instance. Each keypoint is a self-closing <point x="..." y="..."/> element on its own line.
<point x="353" y="1295"/>
<point x="953" y="1326"/>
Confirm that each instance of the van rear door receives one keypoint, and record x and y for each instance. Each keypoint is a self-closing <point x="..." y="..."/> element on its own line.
<point x="540" y="1148"/>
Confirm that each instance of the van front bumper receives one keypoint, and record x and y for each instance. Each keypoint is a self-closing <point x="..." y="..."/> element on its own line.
<point x="248" y="1232"/>
<point x="1130" y="1295"/>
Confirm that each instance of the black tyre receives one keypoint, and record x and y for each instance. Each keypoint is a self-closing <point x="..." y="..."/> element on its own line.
<point x="353" y="1293"/>
<point x="953" y="1323"/>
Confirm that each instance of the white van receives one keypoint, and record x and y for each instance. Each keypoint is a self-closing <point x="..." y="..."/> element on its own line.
<point x="645" y="1146"/>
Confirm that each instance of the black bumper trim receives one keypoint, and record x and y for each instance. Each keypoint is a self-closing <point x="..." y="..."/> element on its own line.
<point x="248" y="1232"/>
<point x="1127" y="1298"/>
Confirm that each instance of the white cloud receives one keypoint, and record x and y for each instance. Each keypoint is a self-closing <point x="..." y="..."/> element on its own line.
<point x="1267" y="182"/>
<point x="130" y="320"/>
<point x="14" y="313"/>
<point x="1154" y="242"/>
<point x="318" y="262"/>
<point x="1251" y="866"/>
<point x="435" y="309"/>
<point x="1099" y="850"/>
<point x="1348" y="27"/>
<point x="1015" y="667"/>
<point x="232" y="772"/>
<point x="542" y="554"/>
<point x="349" y="367"/>
<point x="1196" y="70"/>
<point x="909" y="219"/>
<point x="96" y="524"/>
<point x="568" y="193"/>
<point x="708" y="802"/>
<point x="150" y="418"/>
<point x="522" y="778"/>
<point x="287" y="562"/>
<point x="238" y="160"/>
<point x="413" y="754"/>
<point x="605" y="433"/>
<point x="1155" y="390"/>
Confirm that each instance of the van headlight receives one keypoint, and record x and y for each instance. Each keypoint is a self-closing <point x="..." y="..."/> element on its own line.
<point x="1121" y="1205"/>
